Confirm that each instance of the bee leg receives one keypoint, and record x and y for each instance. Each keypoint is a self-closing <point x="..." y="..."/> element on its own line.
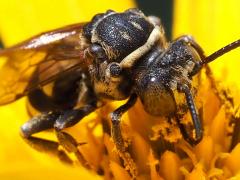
<point x="67" y="119"/>
<point x="58" y="120"/>
<point x="195" y="117"/>
<point x="117" y="136"/>
<point x="48" y="147"/>
<point x="71" y="145"/>
<point x="116" y="119"/>
<point x="70" y="117"/>
<point x="40" y="123"/>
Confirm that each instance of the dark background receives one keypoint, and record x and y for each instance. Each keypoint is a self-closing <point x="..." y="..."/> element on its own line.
<point x="160" y="8"/>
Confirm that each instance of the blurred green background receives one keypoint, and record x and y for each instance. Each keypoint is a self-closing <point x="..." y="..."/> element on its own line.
<point x="160" y="8"/>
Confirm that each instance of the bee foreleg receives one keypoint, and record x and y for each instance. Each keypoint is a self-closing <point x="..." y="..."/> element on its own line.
<point x="116" y="119"/>
<point x="70" y="117"/>
<point x="195" y="117"/>
<point x="39" y="123"/>
<point x="67" y="119"/>
<point x="48" y="147"/>
<point x="71" y="145"/>
<point x="58" y="120"/>
<point x="117" y="135"/>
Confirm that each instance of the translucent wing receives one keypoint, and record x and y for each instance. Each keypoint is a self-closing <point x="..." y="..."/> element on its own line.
<point x="39" y="60"/>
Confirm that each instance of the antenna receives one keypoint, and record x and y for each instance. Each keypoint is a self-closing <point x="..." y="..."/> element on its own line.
<point x="221" y="52"/>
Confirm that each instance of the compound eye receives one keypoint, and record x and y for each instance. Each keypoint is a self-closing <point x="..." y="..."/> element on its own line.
<point x="97" y="51"/>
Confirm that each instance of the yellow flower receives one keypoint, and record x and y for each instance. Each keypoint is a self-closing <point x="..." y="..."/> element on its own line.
<point x="156" y="148"/>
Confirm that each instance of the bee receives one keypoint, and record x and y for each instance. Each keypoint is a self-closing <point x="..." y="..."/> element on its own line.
<point x="115" y="56"/>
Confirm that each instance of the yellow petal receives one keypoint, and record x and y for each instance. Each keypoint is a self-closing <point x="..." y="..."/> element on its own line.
<point x="170" y="162"/>
<point x="232" y="162"/>
<point x="119" y="172"/>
